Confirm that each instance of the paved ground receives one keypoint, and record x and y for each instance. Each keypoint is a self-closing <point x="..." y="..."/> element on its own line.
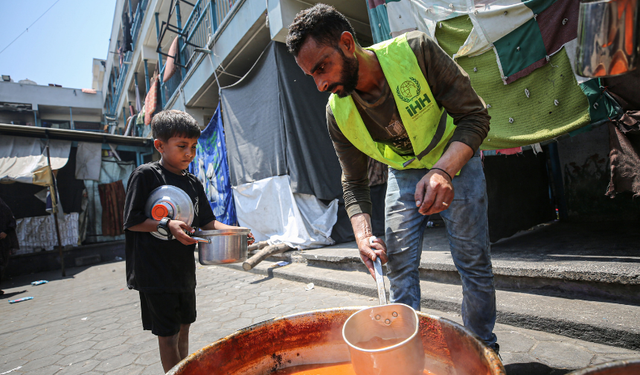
<point x="88" y="323"/>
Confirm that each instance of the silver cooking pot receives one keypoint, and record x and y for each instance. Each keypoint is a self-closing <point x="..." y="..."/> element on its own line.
<point x="222" y="246"/>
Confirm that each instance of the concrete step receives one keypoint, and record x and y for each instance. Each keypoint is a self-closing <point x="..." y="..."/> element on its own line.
<point x="602" y="322"/>
<point x="584" y="280"/>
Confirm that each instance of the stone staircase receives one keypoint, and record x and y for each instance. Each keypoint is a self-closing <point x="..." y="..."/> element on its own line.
<point x="576" y="280"/>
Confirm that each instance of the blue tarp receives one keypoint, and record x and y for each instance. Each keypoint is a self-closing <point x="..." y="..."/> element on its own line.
<point x="212" y="169"/>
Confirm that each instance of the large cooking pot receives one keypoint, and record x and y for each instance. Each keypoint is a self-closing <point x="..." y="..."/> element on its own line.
<point x="625" y="367"/>
<point x="222" y="246"/>
<point x="315" y="338"/>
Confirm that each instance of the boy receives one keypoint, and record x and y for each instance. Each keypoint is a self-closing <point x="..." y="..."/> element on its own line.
<point x="163" y="271"/>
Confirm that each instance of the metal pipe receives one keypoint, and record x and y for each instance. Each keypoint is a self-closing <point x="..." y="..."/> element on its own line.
<point x="54" y="208"/>
<point x="71" y="124"/>
<point x="180" y="40"/>
<point x="159" y="63"/>
<point x="146" y="74"/>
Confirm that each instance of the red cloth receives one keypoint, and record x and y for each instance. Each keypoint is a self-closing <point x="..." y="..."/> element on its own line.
<point x="151" y="101"/>
<point x="112" y="200"/>
<point x="170" y="67"/>
<point x="509" y="151"/>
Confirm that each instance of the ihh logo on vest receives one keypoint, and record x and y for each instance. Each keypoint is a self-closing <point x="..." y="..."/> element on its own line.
<point x="409" y="91"/>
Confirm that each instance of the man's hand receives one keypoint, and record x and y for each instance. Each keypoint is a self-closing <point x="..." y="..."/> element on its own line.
<point x="370" y="250"/>
<point x="434" y="193"/>
<point x="3" y="235"/>
<point x="178" y="229"/>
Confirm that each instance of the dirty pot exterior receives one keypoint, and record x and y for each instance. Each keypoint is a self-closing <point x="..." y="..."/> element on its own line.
<point x="316" y="338"/>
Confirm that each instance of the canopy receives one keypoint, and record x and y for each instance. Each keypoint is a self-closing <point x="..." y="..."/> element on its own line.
<point x="24" y="159"/>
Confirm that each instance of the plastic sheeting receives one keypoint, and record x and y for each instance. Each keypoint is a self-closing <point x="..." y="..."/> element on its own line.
<point x="212" y="170"/>
<point x="275" y="125"/>
<point x="111" y="171"/>
<point x="24" y="159"/>
<point x="277" y="215"/>
<point x="88" y="159"/>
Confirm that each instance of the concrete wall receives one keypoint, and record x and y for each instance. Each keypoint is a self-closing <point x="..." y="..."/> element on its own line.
<point x="584" y="160"/>
<point x="48" y="95"/>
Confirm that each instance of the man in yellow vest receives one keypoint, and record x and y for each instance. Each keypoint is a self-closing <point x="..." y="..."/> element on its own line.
<point x="405" y="103"/>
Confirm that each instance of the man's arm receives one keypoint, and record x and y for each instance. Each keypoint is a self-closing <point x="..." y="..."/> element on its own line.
<point x="357" y="198"/>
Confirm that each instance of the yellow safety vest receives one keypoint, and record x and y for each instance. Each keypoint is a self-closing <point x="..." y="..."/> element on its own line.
<point x="418" y="110"/>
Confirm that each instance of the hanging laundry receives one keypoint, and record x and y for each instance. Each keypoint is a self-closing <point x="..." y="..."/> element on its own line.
<point x="138" y="103"/>
<point x="624" y="142"/>
<point x="112" y="197"/>
<point x="211" y="167"/>
<point x="127" y="41"/>
<point x="171" y="65"/>
<point x="151" y="101"/>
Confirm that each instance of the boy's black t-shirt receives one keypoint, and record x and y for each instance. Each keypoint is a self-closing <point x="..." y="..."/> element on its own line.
<point x="155" y="265"/>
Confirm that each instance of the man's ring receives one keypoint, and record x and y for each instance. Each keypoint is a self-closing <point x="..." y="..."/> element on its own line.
<point x="445" y="203"/>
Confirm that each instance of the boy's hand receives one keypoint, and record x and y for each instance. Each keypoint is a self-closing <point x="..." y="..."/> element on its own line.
<point x="178" y="229"/>
<point x="250" y="239"/>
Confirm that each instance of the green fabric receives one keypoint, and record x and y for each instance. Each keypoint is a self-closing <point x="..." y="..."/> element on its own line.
<point x="536" y="118"/>
<point x="521" y="48"/>
<point x="601" y="106"/>
<point x="537" y="6"/>
<point x="417" y="107"/>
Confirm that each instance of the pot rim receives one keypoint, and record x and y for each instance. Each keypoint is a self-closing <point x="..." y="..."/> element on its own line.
<point x="222" y="232"/>
<point x="386" y="348"/>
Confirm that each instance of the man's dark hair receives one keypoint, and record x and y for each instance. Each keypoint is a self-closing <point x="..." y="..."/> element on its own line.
<point x="174" y="123"/>
<point x="322" y="22"/>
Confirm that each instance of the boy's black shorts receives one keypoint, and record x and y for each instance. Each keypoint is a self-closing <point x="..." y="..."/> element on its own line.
<point x="163" y="313"/>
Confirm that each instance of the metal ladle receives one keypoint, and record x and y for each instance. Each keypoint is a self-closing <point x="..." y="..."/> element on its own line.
<point x="394" y="326"/>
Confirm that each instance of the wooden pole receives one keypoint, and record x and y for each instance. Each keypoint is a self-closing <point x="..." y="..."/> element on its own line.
<point x="264" y="253"/>
<point x="54" y="207"/>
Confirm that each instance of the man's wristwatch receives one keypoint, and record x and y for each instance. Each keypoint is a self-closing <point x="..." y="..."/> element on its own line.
<point x="163" y="227"/>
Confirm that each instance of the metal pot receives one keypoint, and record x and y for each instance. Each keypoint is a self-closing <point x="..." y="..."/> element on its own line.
<point x="314" y="338"/>
<point x="222" y="246"/>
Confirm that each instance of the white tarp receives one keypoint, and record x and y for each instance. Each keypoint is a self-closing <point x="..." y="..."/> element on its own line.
<point x="88" y="161"/>
<point x="275" y="214"/>
<point x="24" y="159"/>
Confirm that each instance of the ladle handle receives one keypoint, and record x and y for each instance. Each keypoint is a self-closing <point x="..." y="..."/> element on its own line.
<point x="377" y="266"/>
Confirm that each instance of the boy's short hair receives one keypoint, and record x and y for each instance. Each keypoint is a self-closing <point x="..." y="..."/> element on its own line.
<point x="322" y="22"/>
<point x="174" y="123"/>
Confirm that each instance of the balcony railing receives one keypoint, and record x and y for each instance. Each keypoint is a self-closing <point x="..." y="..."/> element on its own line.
<point x="201" y="25"/>
<point x="124" y="68"/>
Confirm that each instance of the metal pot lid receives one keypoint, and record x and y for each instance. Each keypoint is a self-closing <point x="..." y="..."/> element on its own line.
<point x="169" y="201"/>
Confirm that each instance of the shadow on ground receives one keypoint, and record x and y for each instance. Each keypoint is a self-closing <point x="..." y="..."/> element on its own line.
<point x="533" y="368"/>
<point x="612" y="241"/>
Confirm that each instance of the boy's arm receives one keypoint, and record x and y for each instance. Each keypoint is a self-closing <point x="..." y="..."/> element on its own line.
<point x="176" y="227"/>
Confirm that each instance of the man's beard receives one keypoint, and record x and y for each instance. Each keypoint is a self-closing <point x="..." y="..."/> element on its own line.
<point x="348" y="76"/>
